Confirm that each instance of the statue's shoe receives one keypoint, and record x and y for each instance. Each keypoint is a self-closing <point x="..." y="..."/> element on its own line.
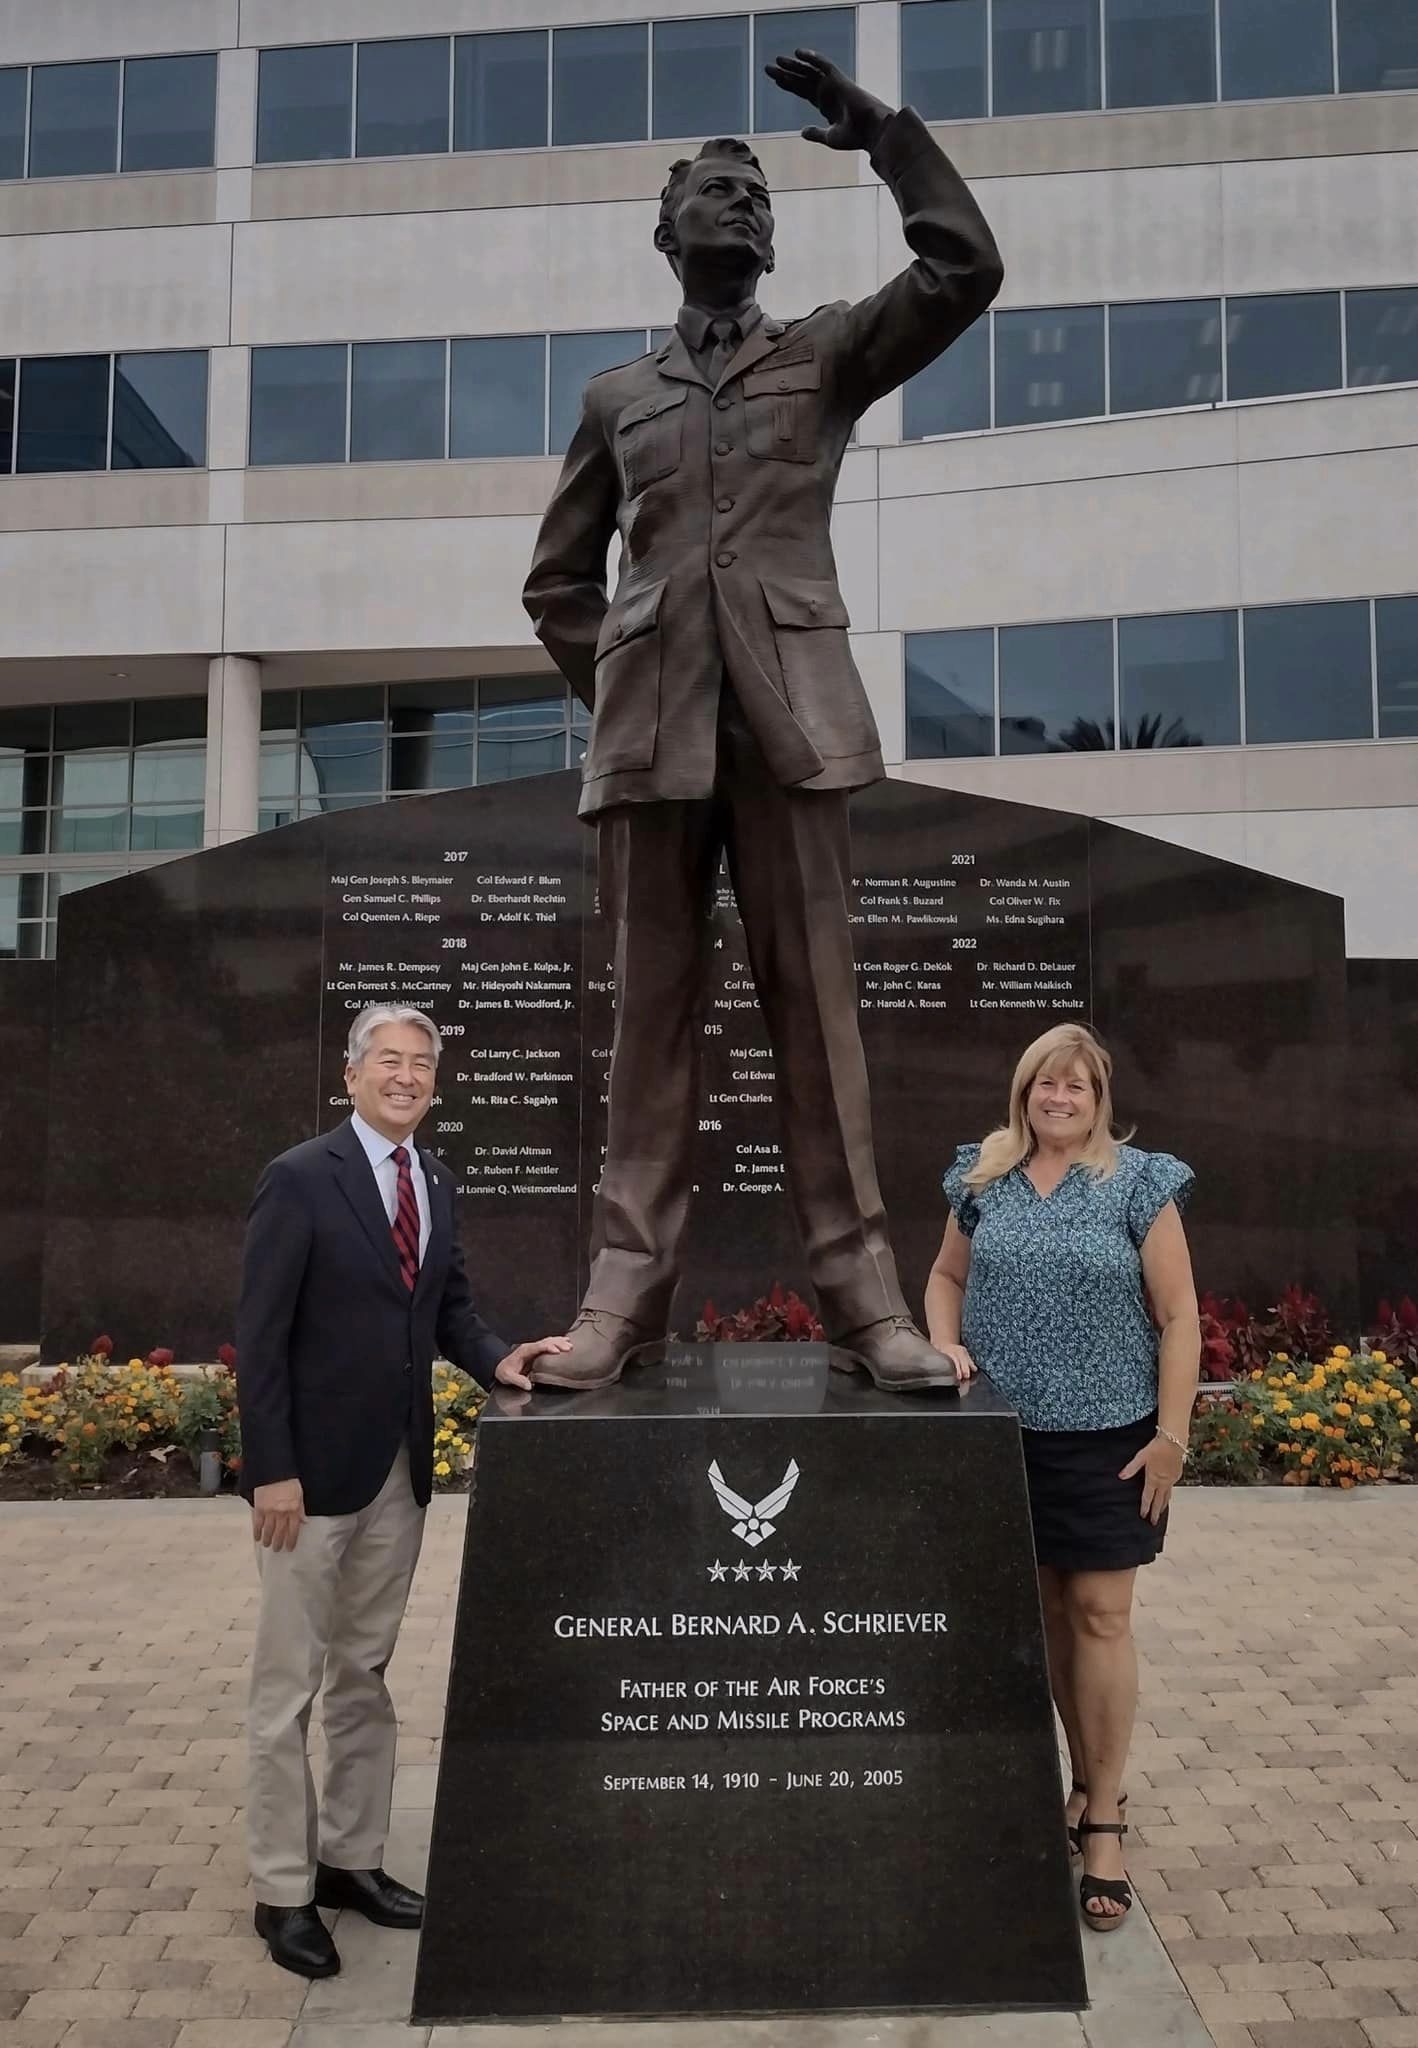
<point x="898" y="1357"/>
<point x="600" y="1344"/>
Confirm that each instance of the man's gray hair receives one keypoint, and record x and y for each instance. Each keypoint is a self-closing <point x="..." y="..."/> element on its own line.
<point x="374" y="1014"/>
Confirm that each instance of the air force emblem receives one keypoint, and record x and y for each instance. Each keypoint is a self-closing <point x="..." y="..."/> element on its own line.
<point x="753" y="1521"/>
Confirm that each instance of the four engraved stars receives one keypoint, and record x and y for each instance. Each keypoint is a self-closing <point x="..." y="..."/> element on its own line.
<point x="719" y="1572"/>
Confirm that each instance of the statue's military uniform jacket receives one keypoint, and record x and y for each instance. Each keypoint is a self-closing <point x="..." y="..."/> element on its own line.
<point x="723" y="499"/>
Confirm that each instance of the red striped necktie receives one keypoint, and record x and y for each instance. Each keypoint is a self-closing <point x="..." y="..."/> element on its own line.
<point x="406" y="1220"/>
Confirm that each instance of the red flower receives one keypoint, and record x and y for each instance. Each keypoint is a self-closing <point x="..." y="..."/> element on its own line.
<point x="226" y="1353"/>
<point x="102" y="1347"/>
<point x="160" y="1356"/>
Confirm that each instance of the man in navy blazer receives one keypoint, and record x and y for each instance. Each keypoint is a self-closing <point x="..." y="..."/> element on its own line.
<point x="352" y="1283"/>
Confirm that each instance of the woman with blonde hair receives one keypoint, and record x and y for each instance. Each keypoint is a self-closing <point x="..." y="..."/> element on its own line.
<point x="1065" y="1275"/>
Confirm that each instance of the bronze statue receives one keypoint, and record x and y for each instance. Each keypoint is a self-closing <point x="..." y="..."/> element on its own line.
<point x="728" y="715"/>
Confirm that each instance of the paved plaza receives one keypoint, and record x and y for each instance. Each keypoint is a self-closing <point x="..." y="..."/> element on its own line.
<point x="1274" y="1798"/>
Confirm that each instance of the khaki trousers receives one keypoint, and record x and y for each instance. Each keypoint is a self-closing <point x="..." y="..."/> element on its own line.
<point x="330" y="1613"/>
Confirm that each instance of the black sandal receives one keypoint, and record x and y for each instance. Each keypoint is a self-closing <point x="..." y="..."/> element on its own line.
<point x="1115" y="1889"/>
<point x="1075" y="1844"/>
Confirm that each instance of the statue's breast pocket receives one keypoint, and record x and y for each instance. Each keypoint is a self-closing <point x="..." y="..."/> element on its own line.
<point x="649" y="439"/>
<point x="783" y="404"/>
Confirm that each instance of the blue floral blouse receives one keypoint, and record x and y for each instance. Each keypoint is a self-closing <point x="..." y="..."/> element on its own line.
<point x="1055" y="1310"/>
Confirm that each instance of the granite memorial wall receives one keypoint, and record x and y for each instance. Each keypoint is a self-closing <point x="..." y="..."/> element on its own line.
<point x="201" y="1010"/>
<point x="26" y="995"/>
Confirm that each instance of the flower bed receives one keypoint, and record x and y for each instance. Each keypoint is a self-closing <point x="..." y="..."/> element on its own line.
<point x="1283" y="1401"/>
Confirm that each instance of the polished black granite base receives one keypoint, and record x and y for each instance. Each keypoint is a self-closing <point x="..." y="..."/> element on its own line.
<point x="748" y="1709"/>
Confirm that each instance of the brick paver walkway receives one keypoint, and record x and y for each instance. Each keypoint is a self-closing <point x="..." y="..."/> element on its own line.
<point x="1274" y="1788"/>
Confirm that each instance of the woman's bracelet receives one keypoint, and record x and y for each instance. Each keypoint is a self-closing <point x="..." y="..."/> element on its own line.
<point x="1181" y="1444"/>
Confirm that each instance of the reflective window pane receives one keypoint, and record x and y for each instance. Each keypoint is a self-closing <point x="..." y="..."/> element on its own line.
<point x="574" y="359"/>
<point x="342" y="742"/>
<point x="63" y="413"/>
<point x="1180" y="680"/>
<point x="166" y="828"/>
<point x="600" y="81"/>
<point x="25" y="728"/>
<point x="73" y="119"/>
<point x="950" y="695"/>
<point x="1308" y="673"/>
<point x="831" y="31"/>
<point x="1378" y="45"/>
<point x="159" y="720"/>
<point x="91" y="831"/>
<point x="1046" y="56"/>
<point x="1285" y="341"/>
<point x="169" y="775"/>
<point x="952" y="394"/>
<point x="81" y="779"/>
<point x="160" y="410"/>
<point x="1048" y="365"/>
<point x="298" y="404"/>
<point x="396" y="401"/>
<point x="1056" y="688"/>
<point x="943" y="58"/>
<point x="521" y="727"/>
<point x="303" y="104"/>
<point x="1383" y="337"/>
<point x="1160" y="52"/>
<point x="1396" y="633"/>
<point x="1164" y="355"/>
<point x="500" y="91"/>
<point x="402" y="99"/>
<point x="83" y="727"/>
<point x="13" y="88"/>
<point x="444" y="707"/>
<point x="169" y="112"/>
<point x="498" y="393"/>
<point x="21" y="903"/>
<point x="426" y="760"/>
<point x="701" y="76"/>
<point x="7" y="413"/>
<point x="1276" y="49"/>
<point x="277" y="777"/>
<point x="280" y="712"/>
<point x="23" y="831"/>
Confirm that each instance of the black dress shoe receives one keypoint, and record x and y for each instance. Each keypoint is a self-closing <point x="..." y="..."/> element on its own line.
<point x="298" y="1940"/>
<point x="372" y="1892"/>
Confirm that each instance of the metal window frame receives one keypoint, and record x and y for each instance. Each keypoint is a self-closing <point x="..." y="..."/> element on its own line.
<point x="1374" y="666"/>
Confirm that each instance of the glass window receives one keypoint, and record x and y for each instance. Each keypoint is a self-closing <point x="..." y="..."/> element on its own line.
<point x="166" y="828"/>
<point x="7" y="413"/>
<point x="1180" y="680"/>
<point x="950" y="695"/>
<point x="943" y="58"/>
<point x="1056" y="688"/>
<point x="429" y="760"/>
<point x="1383" y="338"/>
<point x="169" y="775"/>
<point x="1396" y="635"/>
<point x="521" y="727"/>
<point x="14" y="85"/>
<point x="500" y="91"/>
<point x="157" y="720"/>
<point x="831" y="31"/>
<point x="1046" y="56"/>
<point x="1161" y="53"/>
<point x="160" y="410"/>
<point x="1308" y="673"/>
<point x="444" y="707"/>
<point x="21" y="831"/>
<point x="401" y="105"/>
<point x="1285" y="341"/>
<point x="575" y="358"/>
<point x="1378" y="45"/>
<point x="952" y="394"/>
<point x="342" y="741"/>
<point x="298" y="403"/>
<point x="397" y="401"/>
<point x="73" y="119"/>
<point x="1048" y="365"/>
<point x="92" y="778"/>
<point x="169" y="112"/>
<point x="498" y="393"/>
<point x="21" y="908"/>
<point x="1164" y="355"/>
<point x="80" y="728"/>
<point x="303" y="104"/>
<point x="600" y="82"/>
<point x="1276" y="49"/>
<point x="701" y="76"/>
<point x="63" y="413"/>
<point x="280" y="713"/>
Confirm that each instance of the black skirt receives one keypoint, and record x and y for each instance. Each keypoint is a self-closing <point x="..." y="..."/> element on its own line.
<point x="1085" y="1518"/>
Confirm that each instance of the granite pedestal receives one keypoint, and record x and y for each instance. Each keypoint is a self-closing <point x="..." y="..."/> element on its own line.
<point x="748" y="1710"/>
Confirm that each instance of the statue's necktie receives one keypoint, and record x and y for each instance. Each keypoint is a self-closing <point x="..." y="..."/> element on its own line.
<point x="726" y="343"/>
<point x="406" y="1220"/>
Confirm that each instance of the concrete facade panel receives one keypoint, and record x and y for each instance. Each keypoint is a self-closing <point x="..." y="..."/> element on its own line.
<point x="135" y="288"/>
<point x="854" y="544"/>
<point x="120" y="591"/>
<point x="54" y="30"/>
<point x="400" y="490"/>
<point x="1062" y="454"/>
<point x="1200" y="781"/>
<point x="1327" y="526"/>
<point x="1062" y="551"/>
<point x="378" y="583"/>
<point x="1380" y="888"/>
<point x="1319" y="221"/>
<point x="116" y="498"/>
<point x="62" y="206"/>
<point x="1072" y="239"/>
<point x="878" y="659"/>
<point x="236" y="108"/>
